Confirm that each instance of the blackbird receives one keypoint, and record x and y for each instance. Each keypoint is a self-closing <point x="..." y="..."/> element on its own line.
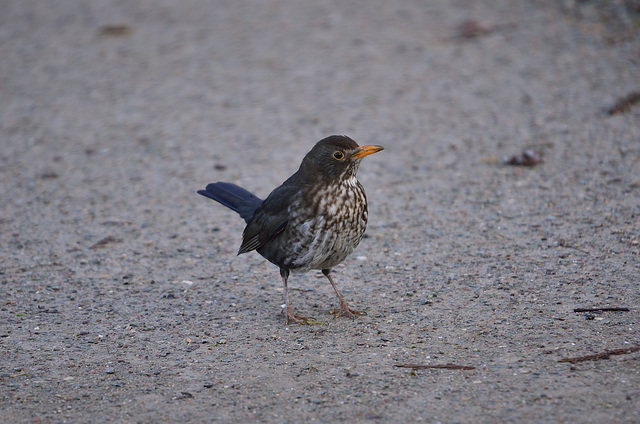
<point x="314" y="220"/>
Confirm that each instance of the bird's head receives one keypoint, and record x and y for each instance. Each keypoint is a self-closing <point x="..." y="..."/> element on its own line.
<point x="335" y="157"/>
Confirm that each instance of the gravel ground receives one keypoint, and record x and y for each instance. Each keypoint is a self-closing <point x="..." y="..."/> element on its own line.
<point x="121" y="295"/>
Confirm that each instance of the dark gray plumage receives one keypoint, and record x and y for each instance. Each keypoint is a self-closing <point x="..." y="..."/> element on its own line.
<point x="314" y="220"/>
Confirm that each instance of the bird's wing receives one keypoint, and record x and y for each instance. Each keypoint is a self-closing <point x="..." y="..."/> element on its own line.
<point x="260" y="232"/>
<point x="269" y="220"/>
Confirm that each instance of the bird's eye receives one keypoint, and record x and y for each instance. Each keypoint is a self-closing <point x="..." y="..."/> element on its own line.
<point x="338" y="155"/>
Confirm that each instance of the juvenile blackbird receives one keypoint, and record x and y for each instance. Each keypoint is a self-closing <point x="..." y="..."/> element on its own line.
<point x="314" y="220"/>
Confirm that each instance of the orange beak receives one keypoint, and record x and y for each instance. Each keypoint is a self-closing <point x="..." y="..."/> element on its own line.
<point x="366" y="151"/>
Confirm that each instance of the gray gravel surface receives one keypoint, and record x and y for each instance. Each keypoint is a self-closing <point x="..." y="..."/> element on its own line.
<point x="122" y="298"/>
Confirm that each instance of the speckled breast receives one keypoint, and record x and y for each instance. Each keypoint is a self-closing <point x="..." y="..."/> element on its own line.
<point x="325" y="229"/>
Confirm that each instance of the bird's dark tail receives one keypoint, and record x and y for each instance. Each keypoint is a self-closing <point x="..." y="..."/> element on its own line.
<point x="234" y="197"/>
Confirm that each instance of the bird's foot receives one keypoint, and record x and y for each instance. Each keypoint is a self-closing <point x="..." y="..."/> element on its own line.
<point x="292" y="317"/>
<point x="346" y="310"/>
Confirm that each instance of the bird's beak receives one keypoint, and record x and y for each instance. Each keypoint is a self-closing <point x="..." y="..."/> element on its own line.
<point x="365" y="151"/>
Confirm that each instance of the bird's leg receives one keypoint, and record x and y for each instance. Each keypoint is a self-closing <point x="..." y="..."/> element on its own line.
<point x="344" y="308"/>
<point x="288" y="312"/>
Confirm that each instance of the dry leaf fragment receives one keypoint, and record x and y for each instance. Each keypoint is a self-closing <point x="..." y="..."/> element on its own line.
<point x="624" y="104"/>
<point x="526" y="158"/>
<point x="117" y="30"/>
<point x="472" y="28"/>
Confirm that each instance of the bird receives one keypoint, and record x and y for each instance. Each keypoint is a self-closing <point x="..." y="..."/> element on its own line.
<point x="313" y="221"/>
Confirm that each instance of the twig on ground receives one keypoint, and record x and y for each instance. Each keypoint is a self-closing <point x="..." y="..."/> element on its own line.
<point x="105" y="242"/>
<point x="599" y="356"/>
<point x="445" y="366"/>
<point x="601" y="310"/>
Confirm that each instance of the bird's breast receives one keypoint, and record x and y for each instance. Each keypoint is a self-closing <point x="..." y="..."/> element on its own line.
<point x="326" y="227"/>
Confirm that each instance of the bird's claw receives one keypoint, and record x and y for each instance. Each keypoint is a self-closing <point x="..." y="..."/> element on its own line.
<point x="346" y="310"/>
<point x="292" y="317"/>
